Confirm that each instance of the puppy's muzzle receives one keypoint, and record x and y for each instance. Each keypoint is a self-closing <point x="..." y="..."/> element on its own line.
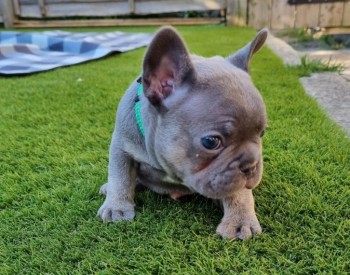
<point x="250" y="165"/>
<point x="248" y="169"/>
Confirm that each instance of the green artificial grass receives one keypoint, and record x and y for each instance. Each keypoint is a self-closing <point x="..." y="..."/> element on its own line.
<point x="55" y="130"/>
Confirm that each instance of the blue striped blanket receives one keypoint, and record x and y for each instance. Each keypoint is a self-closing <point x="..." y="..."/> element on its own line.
<point x="23" y="53"/>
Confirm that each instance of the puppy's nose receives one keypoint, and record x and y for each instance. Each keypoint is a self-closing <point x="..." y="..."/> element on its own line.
<point x="248" y="169"/>
<point x="248" y="163"/>
<point x="249" y="158"/>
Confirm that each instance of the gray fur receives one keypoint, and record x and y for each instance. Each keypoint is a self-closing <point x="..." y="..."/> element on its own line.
<point x="185" y="98"/>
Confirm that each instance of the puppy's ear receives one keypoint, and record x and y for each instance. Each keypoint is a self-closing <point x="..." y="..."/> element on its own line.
<point x="166" y="65"/>
<point x="242" y="57"/>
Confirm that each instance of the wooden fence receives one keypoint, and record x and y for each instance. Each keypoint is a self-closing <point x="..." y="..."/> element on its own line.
<point x="58" y="13"/>
<point x="281" y="15"/>
<point x="274" y="14"/>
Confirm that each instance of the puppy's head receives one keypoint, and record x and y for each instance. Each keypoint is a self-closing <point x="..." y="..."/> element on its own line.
<point x="210" y="116"/>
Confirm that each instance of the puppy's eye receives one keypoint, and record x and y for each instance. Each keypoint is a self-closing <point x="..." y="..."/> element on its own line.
<point x="211" y="142"/>
<point x="262" y="133"/>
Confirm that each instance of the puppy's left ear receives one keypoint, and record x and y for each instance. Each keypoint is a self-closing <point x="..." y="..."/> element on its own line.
<point x="242" y="57"/>
<point x="166" y="65"/>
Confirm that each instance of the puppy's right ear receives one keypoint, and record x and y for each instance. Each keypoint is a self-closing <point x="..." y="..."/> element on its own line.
<point x="166" y="65"/>
<point x="242" y="58"/>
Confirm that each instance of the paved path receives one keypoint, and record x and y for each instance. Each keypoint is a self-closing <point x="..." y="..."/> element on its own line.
<point x="331" y="90"/>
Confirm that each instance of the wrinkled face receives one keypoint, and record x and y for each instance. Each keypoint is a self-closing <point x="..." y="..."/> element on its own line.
<point x="211" y="135"/>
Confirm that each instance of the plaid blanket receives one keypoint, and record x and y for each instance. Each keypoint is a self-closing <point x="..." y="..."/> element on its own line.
<point x="23" y="53"/>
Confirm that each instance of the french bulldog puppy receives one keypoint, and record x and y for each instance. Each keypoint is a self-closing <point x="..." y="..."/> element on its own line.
<point x="195" y="126"/>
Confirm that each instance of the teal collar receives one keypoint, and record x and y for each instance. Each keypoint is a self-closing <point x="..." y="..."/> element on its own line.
<point x="138" y="109"/>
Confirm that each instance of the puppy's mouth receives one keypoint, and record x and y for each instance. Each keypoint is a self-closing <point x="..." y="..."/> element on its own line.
<point x="217" y="185"/>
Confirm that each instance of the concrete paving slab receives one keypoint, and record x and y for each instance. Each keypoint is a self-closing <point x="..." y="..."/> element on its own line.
<point x="331" y="90"/>
<point x="283" y="50"/>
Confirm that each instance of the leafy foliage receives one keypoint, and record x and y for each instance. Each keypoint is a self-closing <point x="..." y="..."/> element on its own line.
<point x="309" y="66"/>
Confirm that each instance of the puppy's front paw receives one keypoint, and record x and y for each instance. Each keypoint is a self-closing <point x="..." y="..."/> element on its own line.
<point x="244" y="229"/>
<point x="116" y="211"/>
<point x="103" y="189"/>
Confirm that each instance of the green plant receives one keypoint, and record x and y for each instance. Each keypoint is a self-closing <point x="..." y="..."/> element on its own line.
<point x="308" y="66"/>
<point x="296" y="35"/>
<point x="335" y="44"/>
